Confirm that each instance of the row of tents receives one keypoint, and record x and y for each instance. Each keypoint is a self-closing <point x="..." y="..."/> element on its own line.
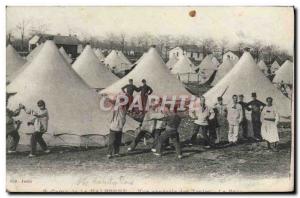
<point x="188" y="72"/>
<point x="73" y="104"/>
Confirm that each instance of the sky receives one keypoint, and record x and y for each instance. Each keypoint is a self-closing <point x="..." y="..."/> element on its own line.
<point x="271" y="25"/>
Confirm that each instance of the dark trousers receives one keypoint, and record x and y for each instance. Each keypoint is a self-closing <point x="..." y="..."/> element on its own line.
<point x="244" y="127"/>
<point x="169" y="134"/>
<point x="138" y="138"/>
<point x="114" y="142"/>
<point x="37" y="137"/>
<point x="156" y="135"/>
<point x="204" y="132"/>
<point x="256" y="125"/>
<point x="15" y="140"/>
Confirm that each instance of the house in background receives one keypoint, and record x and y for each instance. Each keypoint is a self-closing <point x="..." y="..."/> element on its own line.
<point x="69" y="43"/>
<point x="193" y="52"/>
<point x="233" y="55"/>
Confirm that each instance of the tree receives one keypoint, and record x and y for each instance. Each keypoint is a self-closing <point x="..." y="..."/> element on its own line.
<point x="22" y="28"/>
<point x="257" y="48"/>
<point x="223" y="46"/>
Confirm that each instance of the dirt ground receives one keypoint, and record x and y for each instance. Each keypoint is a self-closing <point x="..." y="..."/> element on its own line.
<point x="247" y="160"/>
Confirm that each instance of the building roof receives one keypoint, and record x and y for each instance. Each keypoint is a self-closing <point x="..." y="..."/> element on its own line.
<point x="237" y="53"/>
<point x="58" y="39"/>
<point x="189" y="48"/>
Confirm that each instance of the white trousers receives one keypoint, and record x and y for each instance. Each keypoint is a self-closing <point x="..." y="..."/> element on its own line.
<point x="233" y="133"/>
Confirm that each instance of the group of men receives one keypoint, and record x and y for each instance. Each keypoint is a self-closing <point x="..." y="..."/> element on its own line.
<point x="210" y="124"/>
<point x="39" y="123"/>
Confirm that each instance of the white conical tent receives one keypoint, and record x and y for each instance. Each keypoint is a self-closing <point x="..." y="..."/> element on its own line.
<point x="99" y="54"/>
<point x="215" y="61"/>
<point x="206" y="68"/>
<point x="245" y="78"/>
<point x="172" y="61"/>
<point x="92" y="71"/>
<point x="262" y="65"/>
<point x="223" y="69"/>
<point x="275" y="66"/>
<point x="153" y="69"/>
<point x="116" y="63"/>
<point x="284" y="73"/>
<point x="74" y="111"/>
<point x="13" y="61"/>
<point x="65" y="55"/>
<point x="183" y="66"/>
<point x="120" y="53"/>
<point x="34" y="52"/>
<point x="29" y="59"/>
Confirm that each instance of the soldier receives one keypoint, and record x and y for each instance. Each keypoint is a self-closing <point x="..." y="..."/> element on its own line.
<point x="145" y="90"/>
<point x="201" y="118"/>
<point x="244" y="123"/>
<point x="221" y="117"/>
<point x="40" y="123"/>
<point x="12" y="126"/>
<point x="270" y="120"/>
<point x="129" y="90"/>
<point x="256" y="106"/>
<point x="234" y="117"/>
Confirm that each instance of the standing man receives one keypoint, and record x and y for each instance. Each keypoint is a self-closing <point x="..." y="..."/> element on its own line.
<point x="221" y="117"/>
<point x="145" y="92"/>
<point x="244" y="123"/>
<point x="40" y="123"/>
<point x="234" y="117"/>
<point x="173" y="120"/>
<point x="256" y="107"/>
<point x="115" y="133"/>
<point x="12" y="126"/>
<point x="201" y="123"/>
<point x="129" y="90"/>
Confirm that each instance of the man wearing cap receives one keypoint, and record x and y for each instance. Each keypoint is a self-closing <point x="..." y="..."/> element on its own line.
<point x="234" y="117"/>
<point x="221" y="115"/>
<point x="129" y="90"/>
<point x="256" y="107"/>
<point x="201" y="117"/>
<point x="145" y="90"/>
<point x="12" y="126"/>
<point x="244" y="123"/>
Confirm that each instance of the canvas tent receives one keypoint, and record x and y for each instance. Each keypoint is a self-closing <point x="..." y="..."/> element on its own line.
<point x="65" y="55"/>
<point x="284" y="73"/>
<point x="99" y="54"/>
<point x="75" y="115"/>
<point x="262" y="65"/>
<point x="183" y="65"/>
<point x="223" y="69"/>
<point x="34" y="52"/>
<point x="215" y="61"/>
<point x="92" y="71"/>
<point x="116" y="63"/>
<point x="206" y="68"/>
<point x="120" y="53"/>
<point x="29" y="59"/>
<point x="274" y="67"/>
<point x="245" y="78"/>
<point x="153" y="69"/>
<point x="13" y="61"/>
<point x="172" y="61"/>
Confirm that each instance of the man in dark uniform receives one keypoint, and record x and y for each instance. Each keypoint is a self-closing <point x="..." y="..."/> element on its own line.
<point x="256" y="107"/>
<point x="129" y="90"/>
<point x="244" y="123"/>
<point x="145" y="92"/>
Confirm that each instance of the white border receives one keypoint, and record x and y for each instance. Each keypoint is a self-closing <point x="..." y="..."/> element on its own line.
<point x="106" y="3"/>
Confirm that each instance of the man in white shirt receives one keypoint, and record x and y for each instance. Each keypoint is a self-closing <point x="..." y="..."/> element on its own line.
<point x="234" y="117"/>
<point x="201" y="123"/>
